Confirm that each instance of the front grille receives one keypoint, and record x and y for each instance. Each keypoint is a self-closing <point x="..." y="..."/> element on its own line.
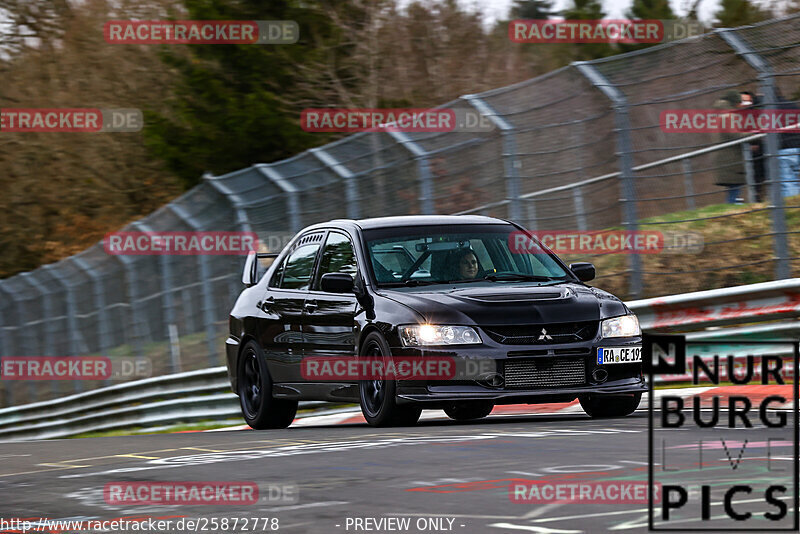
<point x="545" y="373"/>
<point x="543" y="334"/>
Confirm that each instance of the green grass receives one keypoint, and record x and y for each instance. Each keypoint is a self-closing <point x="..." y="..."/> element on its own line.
<point x="728" y="242"/>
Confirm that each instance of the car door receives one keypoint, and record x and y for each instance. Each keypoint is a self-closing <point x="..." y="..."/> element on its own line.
<point x="329" y="318"/>
<point x="280" y="329"/>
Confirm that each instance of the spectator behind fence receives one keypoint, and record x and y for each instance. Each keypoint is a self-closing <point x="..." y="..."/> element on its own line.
<point x="788" y="153"/>
<point x="748" y="99"/>
<point x="730" y="173"/>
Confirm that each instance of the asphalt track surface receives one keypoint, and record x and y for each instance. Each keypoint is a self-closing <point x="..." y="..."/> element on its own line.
<point x="441" y="476"/>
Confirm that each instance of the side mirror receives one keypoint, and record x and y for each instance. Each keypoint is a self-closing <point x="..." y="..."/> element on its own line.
<point x="363" y="297"/>
<point x="249" y="271"/>
<point x="336" y="283"/>
<point x="583" y="270"/>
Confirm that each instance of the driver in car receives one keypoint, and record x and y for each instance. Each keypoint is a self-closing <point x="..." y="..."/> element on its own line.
<point x="468" y="267"/>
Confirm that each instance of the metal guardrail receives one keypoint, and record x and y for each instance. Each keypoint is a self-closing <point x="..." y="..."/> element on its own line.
<point x="767" y="301"/>
<point x="781" y="331"/>
<point x="205" y="394"/>
<point x="201" y="395"/>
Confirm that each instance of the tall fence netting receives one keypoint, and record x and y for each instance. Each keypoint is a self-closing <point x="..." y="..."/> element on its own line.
<point x="558" y="157"/>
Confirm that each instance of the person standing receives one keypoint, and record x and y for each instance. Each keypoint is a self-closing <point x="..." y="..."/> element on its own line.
<point x="749" y="100"/>
<point x="789" y="153"/>
<point x="730" y="173"/>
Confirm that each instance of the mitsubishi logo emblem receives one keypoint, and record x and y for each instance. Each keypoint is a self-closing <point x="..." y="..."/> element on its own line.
<point x="545" y="336"/>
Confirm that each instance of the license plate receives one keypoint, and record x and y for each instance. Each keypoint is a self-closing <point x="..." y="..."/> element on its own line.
<point x="609" y="355"/>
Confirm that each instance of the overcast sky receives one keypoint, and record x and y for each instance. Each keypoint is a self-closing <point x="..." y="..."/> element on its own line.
<point x="614" y="8"/>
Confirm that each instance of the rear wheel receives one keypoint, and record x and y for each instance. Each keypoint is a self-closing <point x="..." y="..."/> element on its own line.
<point x="259" y="408"/>
<point x="378" y="397"/>
<point x="468" y="410"/>
<point x="610" y="405"/>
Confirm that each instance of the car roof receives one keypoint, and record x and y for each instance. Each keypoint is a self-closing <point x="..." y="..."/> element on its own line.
<point x="420" y="220"/>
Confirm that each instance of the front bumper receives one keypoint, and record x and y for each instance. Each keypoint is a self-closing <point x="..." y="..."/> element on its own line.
<point x="621" y="379"/>
<point x="439" y="394"/>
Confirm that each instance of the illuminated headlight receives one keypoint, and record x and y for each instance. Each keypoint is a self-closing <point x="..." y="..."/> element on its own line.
<point x="623" y="326"/>
<point x="428" y="334"/>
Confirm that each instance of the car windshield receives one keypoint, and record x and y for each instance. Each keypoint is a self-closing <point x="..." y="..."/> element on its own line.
<point x="463" y="253"/>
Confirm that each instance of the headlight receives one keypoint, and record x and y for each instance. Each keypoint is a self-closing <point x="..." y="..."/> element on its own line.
<point x="623" y="326"/>
<point x="428" y="334"/>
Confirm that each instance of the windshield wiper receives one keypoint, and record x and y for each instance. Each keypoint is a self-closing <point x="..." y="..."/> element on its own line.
<point x="517" y="276"/>
<point x="559" y="281"/>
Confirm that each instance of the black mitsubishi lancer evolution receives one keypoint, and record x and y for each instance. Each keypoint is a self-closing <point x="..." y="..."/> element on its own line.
<point x="455" y="313"/>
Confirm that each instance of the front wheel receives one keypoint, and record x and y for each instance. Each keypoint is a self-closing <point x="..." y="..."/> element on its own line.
<point x="259" y="408"/>
<point x="598" y="406"/>
<point x="468" y="410"/>
<point x="378" y="397"/>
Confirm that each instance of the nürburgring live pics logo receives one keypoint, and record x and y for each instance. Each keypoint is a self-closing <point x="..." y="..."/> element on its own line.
<point x="728" y="477"/>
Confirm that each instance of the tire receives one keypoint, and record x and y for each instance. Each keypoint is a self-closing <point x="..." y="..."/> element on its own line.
<point x="259" y="408"/>
<point x="598" y="406"/>
<point x="468" y="410"/>
<point x="378" y="398"/>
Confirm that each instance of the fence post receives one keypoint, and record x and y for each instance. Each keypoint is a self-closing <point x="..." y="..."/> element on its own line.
<point x="531" y="214"/>
<point x="166" y="286"/>
<point x="43" y="337"/>
<point x="747" y="157"/>
<point x="19" y="343"/>
<point x="72" y="324"/>
<point x="580" y="213"/>
<point x="377" y="172"/>
<point x="242" y="220"/>
<point x="767" y="82"/>
<point x="5" y="320"/>
<point x="423" y="169"/>
<point x="622" y="127"/>
<point x="350" y="191"/>
<point x="688" y="185"/>
<point x="205" y="282"/>
<point x="192" y="319"/>
<point x="292" y="202"/>
<point x="235" y="201"/>
<point x="511" y="163"/>
<point x="137" y="321"/>
<point x="99" y="299"/>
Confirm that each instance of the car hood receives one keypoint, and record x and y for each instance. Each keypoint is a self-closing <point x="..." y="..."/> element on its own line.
<point x="509" y="305"/>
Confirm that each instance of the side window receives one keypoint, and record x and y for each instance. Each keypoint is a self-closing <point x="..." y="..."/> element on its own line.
<point x="277" y="275"/>
<point x="296" y="272"/>
<point x="338" y="256"/>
